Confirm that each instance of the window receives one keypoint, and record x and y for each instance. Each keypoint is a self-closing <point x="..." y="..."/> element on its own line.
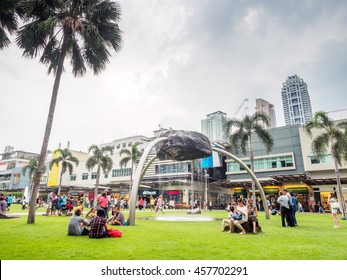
<point x="121" y="172"/>
<point x="129" y="144"/>
<point x="85" y="176"/>
<point x="16" y="178"/>
<point x="317" y="160"/>
<point x="124" y="145"/>
<point x="73" y="177"/>
<point x="263" y="164"/>
<point x="118" y="146"/>
<point x="182" y="167"/>
<point x="94" y="175"/>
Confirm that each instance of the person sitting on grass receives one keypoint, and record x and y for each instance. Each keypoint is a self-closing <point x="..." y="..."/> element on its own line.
<point x="226" y="222"/>
<point x="3" y="204"/>
<point x="242" y="209"/>
<point x="252" y="215"/>
<point x="117" y="218"/>
<point x="91" y="214"/>
<point x="77" y="225"/>
<point x="98" y="226"/>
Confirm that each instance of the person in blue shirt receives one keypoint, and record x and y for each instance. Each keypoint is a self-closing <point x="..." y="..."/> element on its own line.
<point x="294" y="208"/>
<point x="9" y="201"/>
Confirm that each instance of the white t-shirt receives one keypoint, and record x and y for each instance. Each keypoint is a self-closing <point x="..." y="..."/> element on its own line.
<point x="244" y="211"/>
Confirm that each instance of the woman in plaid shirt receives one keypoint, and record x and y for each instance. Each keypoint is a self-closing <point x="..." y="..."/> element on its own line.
<point x="98" y="226"/>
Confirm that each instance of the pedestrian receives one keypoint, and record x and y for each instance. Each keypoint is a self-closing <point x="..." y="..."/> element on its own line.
<point x="331" y="199"/>
<point x="103" y="203"/>
<point x="159" y="205"/>
<point x="210" y="205"/>
<point x="9" y="201"/>
<point x="294" y="208"/>
<point x="286" y="215"/>
<point x="320" y="207"/>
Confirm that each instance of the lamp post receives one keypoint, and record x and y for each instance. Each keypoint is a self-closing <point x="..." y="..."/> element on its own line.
<point x="206" y="180"/>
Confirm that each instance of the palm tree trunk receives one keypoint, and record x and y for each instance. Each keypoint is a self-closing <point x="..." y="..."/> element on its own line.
<point x="338" y="182"/>
<point x="38" y="173"/>
<point x="60" y="179"/>
<point x="96" y="186"/>
<point x="251" y="158"/>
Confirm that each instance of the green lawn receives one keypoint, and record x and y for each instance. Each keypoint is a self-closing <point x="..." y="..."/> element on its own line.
<point x="313" y="239"/>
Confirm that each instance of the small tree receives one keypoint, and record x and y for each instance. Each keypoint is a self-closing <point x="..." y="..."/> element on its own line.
<point x="30" y="170"/>
<point x="133" y="156"/>
<point x="65" y="159"/>
<point x="333" y="136"/>
<point x="102" y="160"/>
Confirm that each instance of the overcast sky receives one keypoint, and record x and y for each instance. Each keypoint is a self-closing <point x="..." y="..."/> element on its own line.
<point x="181" y="60"/>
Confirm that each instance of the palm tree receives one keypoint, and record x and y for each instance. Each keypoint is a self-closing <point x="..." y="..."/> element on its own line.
<point x="132" y="155"/>
<point x="8" y="20"/>
<point x="256" y="123"/>
<point x="100" y="158"/>
<point x="81" y="30"/>
<point x="66" y="159"/>
<point x="30" y="169"/>
<point x="333" y="137"/>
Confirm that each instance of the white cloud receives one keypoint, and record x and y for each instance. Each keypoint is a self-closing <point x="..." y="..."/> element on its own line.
<point x="181" y="60"/>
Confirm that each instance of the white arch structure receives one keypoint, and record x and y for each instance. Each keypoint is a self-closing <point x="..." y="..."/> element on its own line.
<point x="141" y="171"/>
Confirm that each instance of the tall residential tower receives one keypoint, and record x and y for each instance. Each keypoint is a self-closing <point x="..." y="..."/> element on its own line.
<point x="296" y="101"/>
<point x="213" y="126"/>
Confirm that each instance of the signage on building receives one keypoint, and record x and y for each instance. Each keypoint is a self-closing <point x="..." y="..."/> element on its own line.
<point x="172" y="192"/>
<point x="149" y="192"/>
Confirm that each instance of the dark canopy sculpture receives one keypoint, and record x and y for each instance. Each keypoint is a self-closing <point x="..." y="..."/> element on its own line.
<point x="181" y="145"/>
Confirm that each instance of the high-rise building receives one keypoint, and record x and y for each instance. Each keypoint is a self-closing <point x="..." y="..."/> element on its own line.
<point x="296" y="101"/>
<point x="213" y="126"/>
<point x="267" y="108"/>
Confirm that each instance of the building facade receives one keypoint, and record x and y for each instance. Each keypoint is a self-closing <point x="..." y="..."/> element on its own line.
<point x="213" y="126"/>
<point x="267" y="108"/>
<point x="11" y="165"/>
<point x="296" y="101"/>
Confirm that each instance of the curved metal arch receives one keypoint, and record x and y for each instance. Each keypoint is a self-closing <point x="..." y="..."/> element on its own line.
<point x="141" y="170"/>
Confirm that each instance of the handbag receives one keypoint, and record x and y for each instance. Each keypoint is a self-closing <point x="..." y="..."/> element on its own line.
<point x="335" y="205"/>
<point x="237" y="216"/>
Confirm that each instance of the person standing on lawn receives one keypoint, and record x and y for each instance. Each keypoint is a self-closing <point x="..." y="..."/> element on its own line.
<point x="331" y="199"/>
<point x="103" y="203"/>
<point x="283" y="200"/>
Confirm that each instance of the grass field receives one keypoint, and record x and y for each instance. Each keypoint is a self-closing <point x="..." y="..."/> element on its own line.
<point x="150" y="239"/>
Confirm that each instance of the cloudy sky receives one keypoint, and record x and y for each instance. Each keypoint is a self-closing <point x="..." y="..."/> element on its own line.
<point x="181" y="60"/>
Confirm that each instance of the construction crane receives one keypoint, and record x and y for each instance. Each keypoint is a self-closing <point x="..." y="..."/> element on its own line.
<point x="239" y="108"/>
